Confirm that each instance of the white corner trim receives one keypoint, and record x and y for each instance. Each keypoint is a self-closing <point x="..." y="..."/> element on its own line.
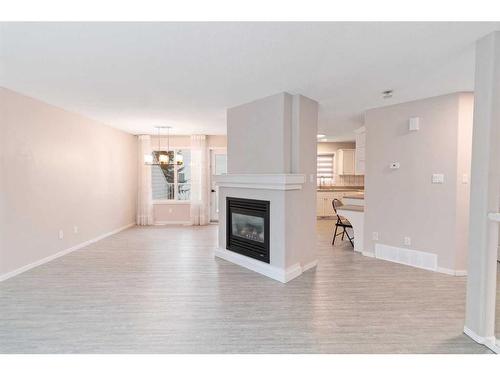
<point x="368" y="254"/>
<point x="173" y="222"/>
<point x="59" y="254"/>
<point x="261" y="181"/>
<point x="265" y="269"/>
<point x="489" y="342"/>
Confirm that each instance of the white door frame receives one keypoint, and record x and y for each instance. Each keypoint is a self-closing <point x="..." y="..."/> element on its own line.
<point x="213" y="195"/>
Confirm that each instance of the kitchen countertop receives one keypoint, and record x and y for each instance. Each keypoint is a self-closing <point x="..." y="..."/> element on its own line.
<point x="355" y="196"/>
<point x="350" y="207"/>
<point x="342" y="188"/>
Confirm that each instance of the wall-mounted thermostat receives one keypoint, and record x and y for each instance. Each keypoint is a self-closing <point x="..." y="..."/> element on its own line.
<point x="394" y="165"/>
<point x="414" y="124"/>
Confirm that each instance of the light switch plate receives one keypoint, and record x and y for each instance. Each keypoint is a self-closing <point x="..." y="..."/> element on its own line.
<point x="414" y="124"/>
<point x="407" y="241"/>
<point x="437" y="178"/>
<point x="61" y="234"/>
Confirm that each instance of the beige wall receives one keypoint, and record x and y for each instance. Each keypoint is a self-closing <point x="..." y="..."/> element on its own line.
<point x="184" y="141"/>
<point x="59" y="170"/>
<point x="332" y="148"/>
<point x="404" y="202"/>
<point x="260" y="141"/>
<point x="176" y="213"/>
<point x="277" y="135"/>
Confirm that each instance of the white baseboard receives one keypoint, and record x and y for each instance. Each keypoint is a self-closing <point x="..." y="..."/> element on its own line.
<point x="59" y="254"/>
<point x="265" y="269"/>
<point x="172" y="223"/>
<point x="309" y="265"/>
<point x="489" y="342"/>
<point x="449" y="271"/>
<point x="368" y="254"/>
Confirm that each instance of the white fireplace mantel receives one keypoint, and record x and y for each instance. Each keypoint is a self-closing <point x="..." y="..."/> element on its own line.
<point x="261" y="181"/>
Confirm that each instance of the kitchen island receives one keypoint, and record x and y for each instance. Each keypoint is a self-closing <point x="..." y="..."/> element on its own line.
<point x="356" y="216"/>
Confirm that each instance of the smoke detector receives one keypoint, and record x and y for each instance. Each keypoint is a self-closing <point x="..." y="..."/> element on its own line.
<point x="387" y="94"/>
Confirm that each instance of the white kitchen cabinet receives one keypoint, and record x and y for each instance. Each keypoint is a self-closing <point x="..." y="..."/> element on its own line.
<point x="360" y="151"/>
<point x="324" y="200"/>
<point x="346" y="162"/>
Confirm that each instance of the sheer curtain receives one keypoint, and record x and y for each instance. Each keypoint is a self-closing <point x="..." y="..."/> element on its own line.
<point x="144" y="191"/>
<point x="199" y="180"/>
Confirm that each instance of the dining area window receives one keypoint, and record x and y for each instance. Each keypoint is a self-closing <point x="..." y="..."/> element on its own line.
<point x="171" y="181"/>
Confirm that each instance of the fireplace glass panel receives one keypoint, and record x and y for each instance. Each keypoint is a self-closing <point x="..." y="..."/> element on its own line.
<point x="248" y="227"/>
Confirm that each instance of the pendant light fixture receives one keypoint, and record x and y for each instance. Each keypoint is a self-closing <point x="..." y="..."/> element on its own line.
<point x="161" y="158"/>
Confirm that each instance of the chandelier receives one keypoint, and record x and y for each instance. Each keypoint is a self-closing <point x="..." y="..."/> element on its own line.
<point x="163" y="157"/>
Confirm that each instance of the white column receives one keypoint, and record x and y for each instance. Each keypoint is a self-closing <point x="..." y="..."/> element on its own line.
<point x="485" y="192"/>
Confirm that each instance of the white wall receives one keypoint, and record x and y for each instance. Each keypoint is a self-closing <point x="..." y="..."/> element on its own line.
<point x="59" y="169"/>
<point x="404" y="202"/>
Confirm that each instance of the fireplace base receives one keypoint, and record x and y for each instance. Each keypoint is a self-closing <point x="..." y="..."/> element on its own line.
<point x="276" y="273"/>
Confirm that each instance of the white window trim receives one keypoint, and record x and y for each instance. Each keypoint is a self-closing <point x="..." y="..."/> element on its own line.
<point x="170" y="201"/>
<point x="176" y="167"/>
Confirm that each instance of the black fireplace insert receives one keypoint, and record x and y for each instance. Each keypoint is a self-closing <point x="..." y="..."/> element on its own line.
<point x="247" y="230"/>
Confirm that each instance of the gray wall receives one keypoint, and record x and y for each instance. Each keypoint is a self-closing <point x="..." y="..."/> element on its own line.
<point x="259" y="136"/>
<point x="58" y="170"/>
<point x="404" y="202"/>
<point x="277" y="135"/>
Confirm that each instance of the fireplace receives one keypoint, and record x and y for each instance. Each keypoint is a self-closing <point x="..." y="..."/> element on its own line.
<point x="247" y="230"/>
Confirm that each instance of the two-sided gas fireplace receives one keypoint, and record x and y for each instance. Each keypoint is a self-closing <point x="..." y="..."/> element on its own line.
<point x="247" y="230"/>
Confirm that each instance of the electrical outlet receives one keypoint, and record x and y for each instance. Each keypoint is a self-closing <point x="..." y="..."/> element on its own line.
<point x="437" y="178"/>
<point x="75" y="229"/>
<point x="407" y="241"/>
<point x="61" y="234"/>
<point x="375" y="236"/>
<point x="465" y="178"/>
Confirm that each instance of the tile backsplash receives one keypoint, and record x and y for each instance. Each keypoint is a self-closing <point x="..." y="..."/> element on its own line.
<point x="346" y="180"/>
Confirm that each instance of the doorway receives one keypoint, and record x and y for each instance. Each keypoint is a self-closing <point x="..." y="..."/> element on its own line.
<point x="218" y="166"/>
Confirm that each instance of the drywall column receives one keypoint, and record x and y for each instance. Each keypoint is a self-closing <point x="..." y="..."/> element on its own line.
<point x="485" y="188"/>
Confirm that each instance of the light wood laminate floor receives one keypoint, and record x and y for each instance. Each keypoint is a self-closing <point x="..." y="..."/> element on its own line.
<point x="497" y="314"/>
<point x="160" y="290"/>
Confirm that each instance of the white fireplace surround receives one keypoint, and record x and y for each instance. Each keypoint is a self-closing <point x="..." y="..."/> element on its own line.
<point x="262" y="181"/>
<point x="285" y="263"/>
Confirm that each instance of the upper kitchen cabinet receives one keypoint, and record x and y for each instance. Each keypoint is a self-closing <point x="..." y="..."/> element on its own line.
<point x="360" y="151"/>
<point x="346" y="162"/>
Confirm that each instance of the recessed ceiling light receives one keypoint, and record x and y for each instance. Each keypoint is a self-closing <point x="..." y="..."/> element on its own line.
<point x="387" y="94"/>
<point x="321" y="136"/>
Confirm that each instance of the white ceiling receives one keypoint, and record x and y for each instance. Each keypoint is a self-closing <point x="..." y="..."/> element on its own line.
<point x="134" y="76"/>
